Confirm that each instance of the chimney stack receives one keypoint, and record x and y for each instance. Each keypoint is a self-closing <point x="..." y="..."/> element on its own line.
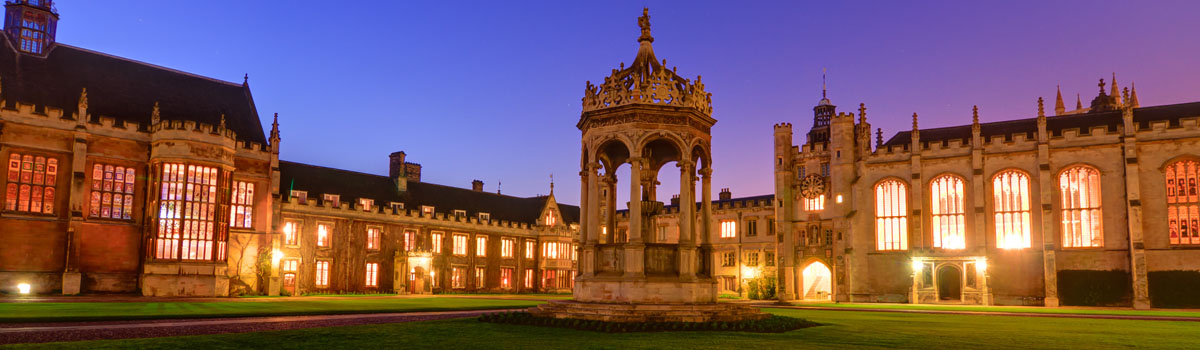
<point x="477" y="186"/>
<point x="725" y="194"/>
<point x="675" y="200"/>
<point x="396" y="171"/>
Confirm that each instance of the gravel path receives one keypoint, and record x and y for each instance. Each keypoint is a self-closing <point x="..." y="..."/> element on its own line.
<point x="58" y="332"/>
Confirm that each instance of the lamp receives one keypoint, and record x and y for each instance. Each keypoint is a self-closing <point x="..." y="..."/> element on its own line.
<point x="981" y="264"/>
<point x="276" y="255"/>
<point x="917" y="265"/>
<point x="24" y="288"/>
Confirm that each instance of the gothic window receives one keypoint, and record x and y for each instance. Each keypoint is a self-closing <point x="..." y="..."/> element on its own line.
<point x="529" y="278"/>
<point x="460" y="245"/>
<point x="550" y="220"/>
<point x="891" y="215"/>
<point x="242" y="205"/>
<point x="373" y="238"/>
<point x="290" y="236"/>
<point x="1183" y="202"/>
<point x="188" y="223"/>
<point x="112" y="192"/>
<point x="728" y="229"/>
<point x="481" y="246"/>
<point x="322" y="278"/>
<point x="31" y="183"/>
<point x="372" y="275"/>
<point x="948" y="217"/>
<point x="34" y="31"/>
<point x="436" y="239"/>
<point x="323" y="235"/>
<point x="815" y="204"/>
<point x="506" y="248"/>
<point x="1012" y="212"/>
<point x="1081" y="221"/>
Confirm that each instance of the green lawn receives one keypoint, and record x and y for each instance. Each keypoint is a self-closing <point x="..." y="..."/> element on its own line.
<point x="1022" y="309"/>
<point x="96" y="311"/>
<point x="842" y="330"/>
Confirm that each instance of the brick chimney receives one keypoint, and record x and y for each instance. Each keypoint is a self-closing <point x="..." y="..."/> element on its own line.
<point x="725" y="194"/>
<point x="412" y="171"/>
<point x="477" y="186"/>
<point x="675" y="200"/>
<point x="396" y="171"/>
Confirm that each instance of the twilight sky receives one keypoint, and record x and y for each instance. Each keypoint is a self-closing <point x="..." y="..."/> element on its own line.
<point x="491" y="90"/>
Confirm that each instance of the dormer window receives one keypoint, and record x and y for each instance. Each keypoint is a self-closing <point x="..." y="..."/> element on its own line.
<point x="331" y="199"/>
<point x="300" y="196"/>
<point x="426" y="210"/>
<point x="459" y="214"/>
<point x="366" y="204"/>
<point x="397" y="206"/>
<point x="485" y="217"/>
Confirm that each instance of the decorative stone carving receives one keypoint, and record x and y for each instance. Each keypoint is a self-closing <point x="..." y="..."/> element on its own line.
<point x="812" y="186"/>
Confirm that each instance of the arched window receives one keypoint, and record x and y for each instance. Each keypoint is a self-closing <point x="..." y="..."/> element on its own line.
<point x="946" y="196"/>
<point x="1010" y="190"/>
<point x="891" y="215"/>
<point x="1081" y="224"/>
<point x="1183" y="202"/>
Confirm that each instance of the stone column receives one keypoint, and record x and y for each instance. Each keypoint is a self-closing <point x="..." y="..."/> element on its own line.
<point x="687" y="210"/>
<point x="1133" y="206"/>
<point x="610" y="183"/>
<point x="706" y="218"/>
<point x="72" y="280"/>
<point x="593" y="219"/>
<point x="634" y="249"/>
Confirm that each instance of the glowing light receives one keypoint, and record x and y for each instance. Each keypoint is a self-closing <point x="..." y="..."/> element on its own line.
<point x="749" y="272"/>
<point x="276" y="255"/>
<point x="981" y="265"/>
<point x="24" y="288"/>
<point x="839" y="199"/>
<point x="917" y="265"/>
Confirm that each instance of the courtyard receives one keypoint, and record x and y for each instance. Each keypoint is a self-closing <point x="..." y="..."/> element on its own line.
<point x="842" y="326"/>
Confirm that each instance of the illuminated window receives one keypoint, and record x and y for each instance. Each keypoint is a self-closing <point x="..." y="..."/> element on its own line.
<point x="366" y="204"/>
<point x="529" y="278"/>
<point x="331" y="200"/>
<point x="891" y="215"/>
<point x="1012" y="212"/>
<point x="815" y="204"/>
<point x="436" y="239"/>
<point x="460" y="245"/>
<point x="752" y="259"/>
<point x="323" y="235"/>
<point x="530" y="248"/>
<point x="188" y="227"/>
<point x="1183" y="202"/>
<point x="575" y="252"/>
<point x="946" y="200"/>
<point x="112" y="192"/>
<point x="480" y="276"/>
<point x="506" y="278"/>
<point x="301" y="196"/>
<point x="1081" y="222"/>
<point x="480" y="245"/>
<point x="426" y="211"/>
<point x="242" y="205"/>
<point x="506" y="248"/>
<point x="410" y="240"/>
<point x="289" y="234"/>
<point x="729" y="259"/>
<point x="556" y="250"/>
<point x="458" y="277"/>
<point x="290" y="265"/>
<point x="31" y="183"/>
<point x="728" y="229"/>
<point x="322" y="279"/>
<point x="550" y="219"/>
<point x="549" y="279"/>
<point x="373" y="238"/>
<point x="372" y="275"/>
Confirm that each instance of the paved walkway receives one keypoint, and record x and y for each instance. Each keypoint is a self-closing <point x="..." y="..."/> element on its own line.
<point x="990" y="313"/>
<point x="59" y="332"/>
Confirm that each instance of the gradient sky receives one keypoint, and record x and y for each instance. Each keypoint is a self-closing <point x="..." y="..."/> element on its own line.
<point x="491" y="90"/>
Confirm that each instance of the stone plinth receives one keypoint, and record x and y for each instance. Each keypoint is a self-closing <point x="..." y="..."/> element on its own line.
<point x="650" y="290"/>
<point x="718" y="312"/>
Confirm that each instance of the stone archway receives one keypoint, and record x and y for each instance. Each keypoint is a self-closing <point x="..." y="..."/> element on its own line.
<point x="949" y="283"/>
<point x="818" y="281"/>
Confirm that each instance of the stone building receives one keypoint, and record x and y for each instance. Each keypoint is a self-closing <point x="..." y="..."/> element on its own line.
<point x="124" y="176"/>
<point x="1093" y="206"/>
<point x="344" y="231"/>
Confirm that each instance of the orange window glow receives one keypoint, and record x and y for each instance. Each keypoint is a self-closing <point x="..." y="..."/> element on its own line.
<point x="31" y="184"/>
<point x="111" y="192"/>
<point x="1081" y="222"/>
<point x="948" y="218"/>
<point x="1011" y="210"/>
<point x="891" y="215"/>
<point x="373" y="238"/>
<point x="322" y="279"/>
<point x="372" y="279"/>
<point x="322" y="235"/>
<point x="188" y="223"/>
<point x="1183" y="202"/>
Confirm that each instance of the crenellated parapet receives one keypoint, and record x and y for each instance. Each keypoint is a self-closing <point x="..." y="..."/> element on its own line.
<point x="384" y="214"/>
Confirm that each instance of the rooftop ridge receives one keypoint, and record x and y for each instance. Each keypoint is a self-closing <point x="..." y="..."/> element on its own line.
<point x="423" y="183"/>
<point x="151" y="65"/>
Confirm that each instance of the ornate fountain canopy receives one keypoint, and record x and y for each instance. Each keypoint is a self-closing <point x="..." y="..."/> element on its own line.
<point x="647" y="81"/>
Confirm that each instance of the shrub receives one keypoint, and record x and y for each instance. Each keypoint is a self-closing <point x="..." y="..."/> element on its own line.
<point x="1094" y="288"/>
<point x="1174" y="289"/>
<point x="773" y="324"/>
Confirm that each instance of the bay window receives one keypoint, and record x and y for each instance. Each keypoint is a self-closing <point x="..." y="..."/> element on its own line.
<point x="190" y="226"/>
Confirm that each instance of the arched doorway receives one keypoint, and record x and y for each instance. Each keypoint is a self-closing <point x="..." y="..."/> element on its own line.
<point x="949" y="283"/>
<point x="817" y="282"/>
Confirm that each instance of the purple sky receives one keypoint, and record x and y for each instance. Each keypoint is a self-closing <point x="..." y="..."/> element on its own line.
<point x="491" y="91"/>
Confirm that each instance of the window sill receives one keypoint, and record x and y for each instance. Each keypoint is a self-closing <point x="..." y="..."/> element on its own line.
<point x="27" y="215"/>
<point x="100" y="220"/>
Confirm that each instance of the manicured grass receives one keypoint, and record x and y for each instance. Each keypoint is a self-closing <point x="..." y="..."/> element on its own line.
<point x="1022" y="309"/>
<point x="841" y="330"/>
<point x="97" y="311"/>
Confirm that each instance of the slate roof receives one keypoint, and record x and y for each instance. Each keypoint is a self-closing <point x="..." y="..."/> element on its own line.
<point x="717" y="203"/>
<point x="351" y="185"/>
<point x="124" y="89"/>
<point x="1054" y="125"/>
